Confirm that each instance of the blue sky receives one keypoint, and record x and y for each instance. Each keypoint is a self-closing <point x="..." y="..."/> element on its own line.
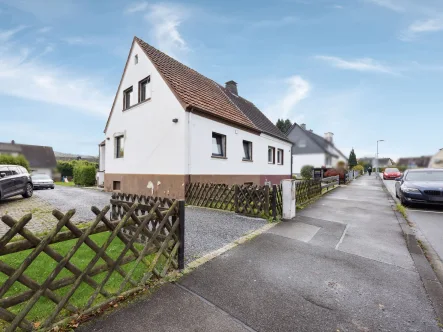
<point x="362" y="69"/>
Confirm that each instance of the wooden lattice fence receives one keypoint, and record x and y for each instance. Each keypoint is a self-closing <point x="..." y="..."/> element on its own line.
<point x="252" y="200"/>
<point x="307" y="190"/>
<point x="69" y="272"/>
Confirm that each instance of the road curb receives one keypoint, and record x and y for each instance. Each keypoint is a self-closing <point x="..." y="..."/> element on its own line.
<point x="431" y="281"/>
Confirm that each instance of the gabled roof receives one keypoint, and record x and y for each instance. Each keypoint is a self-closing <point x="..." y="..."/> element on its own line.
<point x="255" y="115"/>
<point x="320" y="141"/>
<point x="193" y="89"/>
<point x="199" y="93"/>
<point x="422" y="161"/>
<point x="38" y="156"/>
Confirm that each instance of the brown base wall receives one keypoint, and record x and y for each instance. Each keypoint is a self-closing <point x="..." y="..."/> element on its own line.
<point x="173" y="186"/>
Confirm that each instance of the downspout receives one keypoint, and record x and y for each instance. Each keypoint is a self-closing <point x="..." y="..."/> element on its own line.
<point x="189" y="145"/>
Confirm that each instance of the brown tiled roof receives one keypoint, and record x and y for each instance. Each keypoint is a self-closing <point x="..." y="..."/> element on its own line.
<point x="194" y="89"/>
<point x="255" y="115"/>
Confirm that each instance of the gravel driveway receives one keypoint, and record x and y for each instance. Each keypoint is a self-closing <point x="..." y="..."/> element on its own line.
<point x="206" y="229"/>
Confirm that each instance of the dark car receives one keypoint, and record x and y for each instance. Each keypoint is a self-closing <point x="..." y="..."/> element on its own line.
<point x="391" y="173"/>
<point x="42" y="181"/>
<point x="420" y="186"/>
<point x="15" y="180"/>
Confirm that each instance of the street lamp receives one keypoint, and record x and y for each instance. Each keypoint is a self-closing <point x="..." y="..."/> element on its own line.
<point x="381" y="140"/>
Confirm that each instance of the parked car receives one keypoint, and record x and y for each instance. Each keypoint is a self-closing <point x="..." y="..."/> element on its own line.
<point x="42" y="181"/>
<point x="391" y="173"/>
<point x="15" y="180"/>
<point x="420" y="186"/>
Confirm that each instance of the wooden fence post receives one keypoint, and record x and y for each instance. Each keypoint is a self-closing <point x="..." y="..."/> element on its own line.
<point x="236" y="194"/>
<point x="267" y="200"/>
<point x="181" y="250"/>
<point x="274" y="202"/>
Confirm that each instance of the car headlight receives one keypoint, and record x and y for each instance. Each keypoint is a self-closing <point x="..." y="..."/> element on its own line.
<point x="409" y="189"/>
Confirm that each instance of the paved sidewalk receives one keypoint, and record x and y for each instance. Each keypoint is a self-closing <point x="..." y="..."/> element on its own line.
<point x="342" y="265"/>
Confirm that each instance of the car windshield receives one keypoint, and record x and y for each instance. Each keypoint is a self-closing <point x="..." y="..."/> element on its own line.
<point x="41" y="177"/>
<point x="392" y="170"/>
<point x="425" y="176"/>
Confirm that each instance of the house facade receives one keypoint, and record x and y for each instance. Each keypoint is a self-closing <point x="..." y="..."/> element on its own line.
<point x="170" y="125"/>
<point x="41" y="158"/>
<point x="311" y="149"/>
<point x="415" y="162"/>
<point x="382" y="162"/>
<point x="437" y="160"/>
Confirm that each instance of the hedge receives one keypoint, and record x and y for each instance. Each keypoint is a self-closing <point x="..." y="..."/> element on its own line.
<point x="66" y="168"/>
<point x="84" y="174"/>
<point x="20" y="160"/>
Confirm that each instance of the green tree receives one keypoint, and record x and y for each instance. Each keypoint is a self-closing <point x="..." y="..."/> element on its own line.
<point x="352" y="159"/>
<point x="306" y="172"/>
<point x="20" y="160"/>
<point x="283" y="125"/>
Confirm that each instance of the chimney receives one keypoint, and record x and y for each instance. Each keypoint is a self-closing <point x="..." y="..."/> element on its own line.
<point x="311" y="131"/>
<point x="303" y="126"/>
<point x="12" y="142"/>
<point x="329" y="137"/>
<point x="231" y="86"/>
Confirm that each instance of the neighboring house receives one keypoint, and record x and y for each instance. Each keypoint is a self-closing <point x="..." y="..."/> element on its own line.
<point x="170" y="125"/>
<point x="415" y="162"/>
<point x="69" y="156"/>
<point x="311" y="149"/>
<point x="41" y="158"/>
<point x="382" y="162"/>
<point x="437" y="160"/>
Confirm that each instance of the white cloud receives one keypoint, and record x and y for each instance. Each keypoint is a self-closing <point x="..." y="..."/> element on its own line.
<point x="363" y="64"/>
<point x="76" y="40"/>
<point x="44" y="30"/>
<point x="389" y="4"/>
<point x="430" y="25"/>
<point x="420" y="27"/>
<point x="136" y="7"/>
<point x="337" y="6"/>
<point x="297" y="89"/>
<point x="27" y="77"/>
<point x="166" y="20"/>
<point x="5" y="35"/>
<point x="275" y="23"/>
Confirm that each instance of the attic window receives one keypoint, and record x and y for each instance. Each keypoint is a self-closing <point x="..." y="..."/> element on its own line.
<point x="301" y="143"/>
<point x="144" y="89"/>
<point x="135" y="59"/>
<point x="127" y="98"/>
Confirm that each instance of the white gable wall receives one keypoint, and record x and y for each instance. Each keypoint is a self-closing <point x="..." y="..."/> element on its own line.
<point x="153" y="144"/>
<point x="312" y="159"/>
<point x="200" y="150"/>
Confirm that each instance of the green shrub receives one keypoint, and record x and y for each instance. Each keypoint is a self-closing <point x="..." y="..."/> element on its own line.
<point x="84" y="174"/>
<point x="65" y="168"/>
<point x="359" y="168"/>
<point x="306" y="172"/>
<point x="20" y="160"/>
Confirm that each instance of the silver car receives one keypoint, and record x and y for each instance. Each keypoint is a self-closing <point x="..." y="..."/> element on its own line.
<point x="42" y="181"/>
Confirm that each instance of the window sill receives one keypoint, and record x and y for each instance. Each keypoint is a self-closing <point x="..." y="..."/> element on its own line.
<point x="138" y="104"/>
<point x="218" y="157"/>
<point x="247" y="160"/>
<point x="271" y="163"/>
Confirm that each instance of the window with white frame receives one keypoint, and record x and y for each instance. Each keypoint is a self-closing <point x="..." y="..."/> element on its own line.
<point x="301" y="143"/>
<point x="271" y="155"/>
<point x="127" y="96"/>
<point x="247" y="151"/>
<point x="279" y="156"/>
<point x="144" y="89"/>
<point x="119" y="147"/>
<point x="218" y="145"/>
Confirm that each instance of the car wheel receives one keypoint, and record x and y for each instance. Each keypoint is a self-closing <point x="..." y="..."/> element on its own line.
<point x="29" y="191"/>
<point x="52" y="187"/>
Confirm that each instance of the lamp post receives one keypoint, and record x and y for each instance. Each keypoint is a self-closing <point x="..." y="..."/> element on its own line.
<point x="381" y="140"/>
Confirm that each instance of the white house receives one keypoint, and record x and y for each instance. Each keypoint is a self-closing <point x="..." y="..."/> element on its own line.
<point x="311" y="149"/>
<point x="170" y="125"/>
<point x="41" y="158"/>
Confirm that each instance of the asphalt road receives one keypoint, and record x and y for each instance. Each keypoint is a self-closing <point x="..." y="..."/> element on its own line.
<point x="429" y="220"/>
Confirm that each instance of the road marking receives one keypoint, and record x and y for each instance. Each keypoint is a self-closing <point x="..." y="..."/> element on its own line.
<point x="342" y="237"/>
<point x="425" y="211"/>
